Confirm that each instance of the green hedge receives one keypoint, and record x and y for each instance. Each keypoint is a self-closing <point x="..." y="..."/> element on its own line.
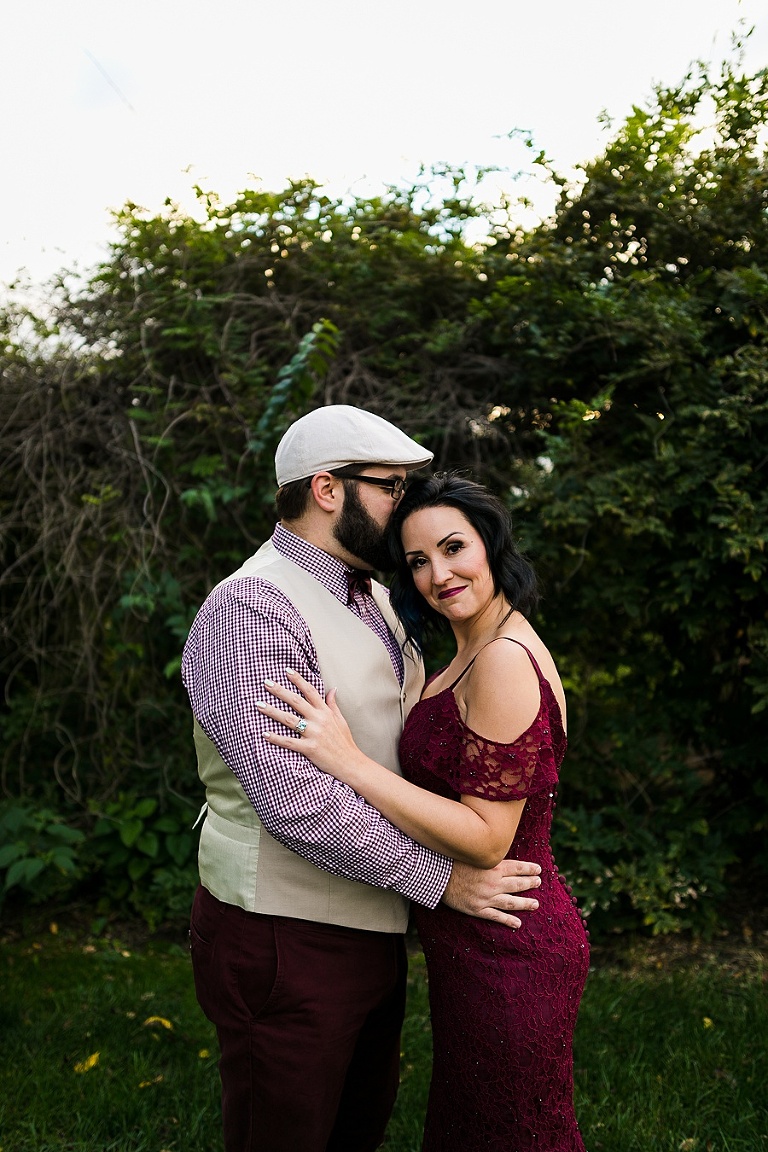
<point x="606" y="372"/>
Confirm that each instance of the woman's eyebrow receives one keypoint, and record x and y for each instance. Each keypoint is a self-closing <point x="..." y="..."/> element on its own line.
<point x="439" y="544"/>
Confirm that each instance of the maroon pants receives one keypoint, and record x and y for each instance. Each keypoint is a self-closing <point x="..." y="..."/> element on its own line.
<point x="308" y="1018"/>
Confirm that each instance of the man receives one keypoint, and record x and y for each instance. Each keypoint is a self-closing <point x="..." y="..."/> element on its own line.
<point x="297" y="927"/>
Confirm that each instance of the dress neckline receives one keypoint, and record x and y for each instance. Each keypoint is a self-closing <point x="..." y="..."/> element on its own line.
<point x="501" y="743"/>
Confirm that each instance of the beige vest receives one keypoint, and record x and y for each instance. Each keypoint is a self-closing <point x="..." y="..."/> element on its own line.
<point x="240" y="863"/>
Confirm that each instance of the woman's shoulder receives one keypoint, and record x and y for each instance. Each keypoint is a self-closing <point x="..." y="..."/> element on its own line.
<point x="505" y="651"/>
<point x="502" y="696"/>
<point x="525" y="665"/>
<point x="519" y="653"/>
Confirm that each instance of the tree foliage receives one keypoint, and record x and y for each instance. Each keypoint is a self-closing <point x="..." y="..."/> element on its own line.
<point x="647" y="507"/>
<point x="606" y="371"/>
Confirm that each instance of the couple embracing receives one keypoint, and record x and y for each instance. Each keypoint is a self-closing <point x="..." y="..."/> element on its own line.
<point x="340" y="788"/>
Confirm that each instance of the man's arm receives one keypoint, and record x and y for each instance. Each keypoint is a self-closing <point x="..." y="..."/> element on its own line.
<point x="247" y="632"/>
<point x="245" y="636"/>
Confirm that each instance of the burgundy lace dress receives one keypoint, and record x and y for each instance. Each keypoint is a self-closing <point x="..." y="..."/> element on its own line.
<point x="503" y="1002"/>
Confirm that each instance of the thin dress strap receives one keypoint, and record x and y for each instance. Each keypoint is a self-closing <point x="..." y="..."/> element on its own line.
<point x="464" y="671"/>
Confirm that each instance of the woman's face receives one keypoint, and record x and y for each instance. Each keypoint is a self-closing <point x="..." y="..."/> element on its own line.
<point x="448" y="561"/>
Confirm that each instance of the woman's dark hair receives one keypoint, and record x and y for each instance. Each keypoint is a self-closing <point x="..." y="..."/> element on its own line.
<point x="513" y="575"/>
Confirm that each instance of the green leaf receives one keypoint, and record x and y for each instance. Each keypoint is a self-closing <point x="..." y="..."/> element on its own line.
<point x="179" y="847"/>
<point x="64" y="859"/>
<point x="172" y="668"/>
<point x="130" y="830"/>
<point x="9" y="853"/>
<point x="145" y="808"/>
<point x="23" y="871"/>
<point x="63" y="832"/>
<point x="138" y="866"/>
<point x="148" y="843"/>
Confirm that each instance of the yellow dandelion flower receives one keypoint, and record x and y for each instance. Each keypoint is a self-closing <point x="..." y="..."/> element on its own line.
<point x="707" y="1022"/>
<point x="53" y="929"/>
<point x="204" y="1053"/>
<point x="161" y="1020"/>
<point x="86" y="1065"/>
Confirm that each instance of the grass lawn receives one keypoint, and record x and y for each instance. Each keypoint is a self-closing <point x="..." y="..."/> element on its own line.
<point x="105" y="1050"/>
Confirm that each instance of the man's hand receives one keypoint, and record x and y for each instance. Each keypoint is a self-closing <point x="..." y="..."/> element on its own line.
<point x="492" y="894"/>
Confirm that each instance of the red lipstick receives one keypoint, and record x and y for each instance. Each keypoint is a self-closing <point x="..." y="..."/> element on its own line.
<point x="449" y="592"/>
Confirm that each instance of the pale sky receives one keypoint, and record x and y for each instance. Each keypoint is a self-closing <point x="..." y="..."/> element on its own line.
<point x="105" y="101"/>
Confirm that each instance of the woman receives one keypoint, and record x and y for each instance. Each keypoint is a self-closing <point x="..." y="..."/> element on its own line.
<point x="489" y="733"/>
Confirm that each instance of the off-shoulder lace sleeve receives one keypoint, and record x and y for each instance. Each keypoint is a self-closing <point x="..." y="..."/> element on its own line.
<point x="472" y="765"/>
<point x="506" y="771"/>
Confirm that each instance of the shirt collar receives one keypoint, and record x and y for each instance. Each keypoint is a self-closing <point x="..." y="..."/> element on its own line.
<point x="329" y="571"/>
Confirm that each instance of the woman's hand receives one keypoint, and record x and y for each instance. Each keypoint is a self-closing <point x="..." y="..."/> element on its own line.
<point x="477" y="832"/>
<point x="325" y="740"/>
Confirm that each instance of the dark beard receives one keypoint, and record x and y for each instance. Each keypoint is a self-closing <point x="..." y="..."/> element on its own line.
<point x="359" y="533"/>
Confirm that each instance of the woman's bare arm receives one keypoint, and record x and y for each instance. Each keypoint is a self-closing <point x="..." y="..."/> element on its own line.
<point x="476" y="831"/>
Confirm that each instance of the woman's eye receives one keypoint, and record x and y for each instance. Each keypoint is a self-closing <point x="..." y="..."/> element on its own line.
<point x="454" y="547"/>
<point x="416" y="563"/>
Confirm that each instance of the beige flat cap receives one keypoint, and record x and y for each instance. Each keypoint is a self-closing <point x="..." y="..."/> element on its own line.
<point x="338" y="435"/>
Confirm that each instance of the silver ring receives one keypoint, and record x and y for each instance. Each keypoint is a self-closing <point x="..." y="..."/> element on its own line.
<point x="301" y="727"/>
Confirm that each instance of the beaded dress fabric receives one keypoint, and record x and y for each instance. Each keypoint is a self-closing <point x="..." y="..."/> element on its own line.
<point x="503" y="1002"/>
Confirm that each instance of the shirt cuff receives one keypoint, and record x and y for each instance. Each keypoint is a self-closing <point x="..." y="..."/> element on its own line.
<point x="426" y="882"/>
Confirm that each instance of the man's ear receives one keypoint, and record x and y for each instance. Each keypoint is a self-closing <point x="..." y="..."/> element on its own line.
<point x="327" y="491"/>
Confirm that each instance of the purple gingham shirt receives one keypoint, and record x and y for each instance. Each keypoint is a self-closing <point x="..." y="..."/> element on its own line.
<point x="246" y="632"/>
